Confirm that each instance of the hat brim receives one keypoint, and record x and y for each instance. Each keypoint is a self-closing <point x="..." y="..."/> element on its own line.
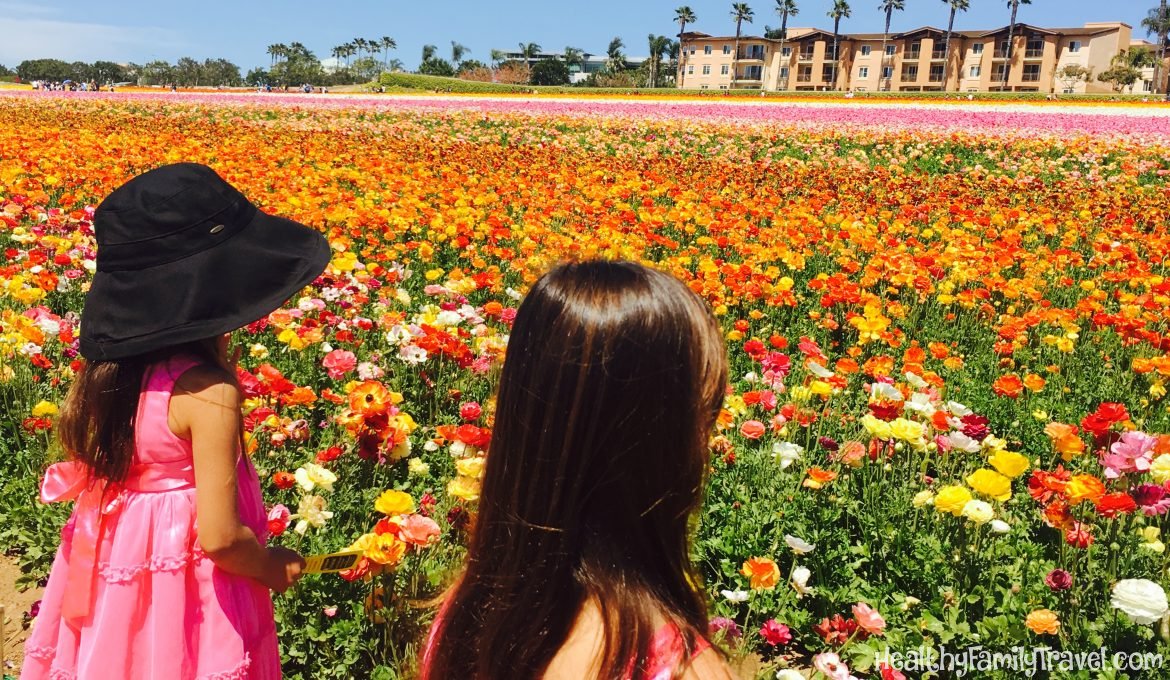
<point x="216" y="291"/>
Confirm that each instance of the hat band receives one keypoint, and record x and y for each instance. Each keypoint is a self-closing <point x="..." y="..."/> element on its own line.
<point x="206" y="233"/>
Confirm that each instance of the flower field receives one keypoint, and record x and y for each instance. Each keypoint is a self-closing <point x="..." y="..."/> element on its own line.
<point x="949" y="331"/>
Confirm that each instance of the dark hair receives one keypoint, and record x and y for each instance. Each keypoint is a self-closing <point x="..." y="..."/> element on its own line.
<point x="97" y="418"/>
<point x="614" y="377"/>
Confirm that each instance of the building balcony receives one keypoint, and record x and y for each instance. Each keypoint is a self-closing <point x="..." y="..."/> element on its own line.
<point x="938" y="56"/>
<point x="912" y="56"/>
<point x="1031" y="78"/>
<point x="805" y="56"/>
<point x="750" y="58"/>
<point x="804" y="78"/>
<point x="1034" y="54"/>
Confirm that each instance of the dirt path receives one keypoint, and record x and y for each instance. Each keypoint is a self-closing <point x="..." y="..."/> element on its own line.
<point x="15" y="603"/>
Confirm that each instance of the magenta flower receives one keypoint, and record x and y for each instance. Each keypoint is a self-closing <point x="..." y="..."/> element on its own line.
<point x="775" y="633"/>
<point x="722" y="624"/>
<point x="1151" y="498"/>
<point x="1058" y="579"/>
<point x="1132" y="453"/>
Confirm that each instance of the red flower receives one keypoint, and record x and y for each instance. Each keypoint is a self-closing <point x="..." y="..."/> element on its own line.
<point x="470" y="411"/>
<point x="1058" y="579"/>
<point x="838" y="630"/>
<point x="890" y="673"/>
<point x="1043" y="486"/>
<point x="284" y="480"/>
<point x="775" y="633"/>
<point x="1114" y="504"/>
<point x="329" y="454"/>
<point x="1078" y="535"/>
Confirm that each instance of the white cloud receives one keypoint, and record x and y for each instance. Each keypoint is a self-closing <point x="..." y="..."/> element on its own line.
<point x="34" y="38"/>
<point x="26" y="9"/>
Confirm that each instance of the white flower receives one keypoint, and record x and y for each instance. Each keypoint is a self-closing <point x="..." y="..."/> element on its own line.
<point x="798" y="546"/>
<point x="818" y="370"/>
<point x="412" y="354"/>
<point x="736" y="596"/>
<point x="882" y="390"/>
<point x="50" y="326"/>
<point x="1144" y="601"/>
<point x="398" y="335"/>
<point x="979" y="512"/>
<point x="513" y="293"/>
<point x="786" y="453"/>
<point x="311" y="512"/>
<point x="915" y="380"/>
<point x="789" y="674"/>
<point x="416" y="466"/>
<point x="921" y="403"/>
<point x="1000" y="527"/>
<point x="751" y="378"/>
<point x="312" y="475"/>
<point x="447" y="318"/>
<point x="800" y="576"/>
<point x="369" y="371"/>
<point x="958" y="409"/>
<point x="962" y="442"/>
<point x="430" y="446"/>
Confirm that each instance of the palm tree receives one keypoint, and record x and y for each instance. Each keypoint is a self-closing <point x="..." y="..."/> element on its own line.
<point x="497" y="57"/>
<point x="387" y="43"/>
<point x="395" y="65"/>
<point x="785" y="8"/>
<point x="615" y="60"/>
<point x="457" y="52"/>
<point x="683" y="15"/>
<point x="956" y="6"/>
<point x="575" y="55"/>
<point x="659" y="45"/>
<point x="350" y="50"/>
<point x="360" y="44"/>
<point x="740" y="12"/>
<point x="1157" y="22"/>
<point x="528" y="51"/>
<point x="840" y="11"/>
<point x="887" y="6"/>
<point x="273" y="50"/>
<point x="1007" y="64"/>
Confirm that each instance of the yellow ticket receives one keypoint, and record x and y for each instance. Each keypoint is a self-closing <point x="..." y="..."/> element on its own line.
<point x="333" y="562"/>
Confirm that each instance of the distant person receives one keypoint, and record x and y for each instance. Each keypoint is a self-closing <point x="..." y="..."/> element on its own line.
<point x="579" y="564"/>
<point x="163" y="572"/>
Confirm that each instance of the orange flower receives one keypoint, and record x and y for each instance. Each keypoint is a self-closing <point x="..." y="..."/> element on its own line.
<point x="1034" y="382"/>
<point x="370" y="398"/>
<point x="818" y="477"/>
<point x="763" y="572"/>
<point x="1065" y="439"/>
<point x="1084" y="488"/>
<point x="1008" y="385"/>
<point x="1043" y="622"/>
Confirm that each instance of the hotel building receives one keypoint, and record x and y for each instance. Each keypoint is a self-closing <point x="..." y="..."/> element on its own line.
<point x="911" y="61"/>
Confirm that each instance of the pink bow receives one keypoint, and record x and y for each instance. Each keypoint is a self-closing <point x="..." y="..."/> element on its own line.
<point x="96" y="499"/>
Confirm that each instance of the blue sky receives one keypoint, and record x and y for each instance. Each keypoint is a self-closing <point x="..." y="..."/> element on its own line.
<point x="240" y="30"/>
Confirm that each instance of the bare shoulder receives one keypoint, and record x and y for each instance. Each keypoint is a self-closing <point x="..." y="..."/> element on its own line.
<point x="709" y="665"/>
<point x="208" y="383"/>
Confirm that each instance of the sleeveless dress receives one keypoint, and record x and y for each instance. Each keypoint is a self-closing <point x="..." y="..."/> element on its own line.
<point x="131" y="596"/>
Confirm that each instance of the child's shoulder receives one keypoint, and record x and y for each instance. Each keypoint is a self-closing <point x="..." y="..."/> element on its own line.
<point x="207" y="380"/>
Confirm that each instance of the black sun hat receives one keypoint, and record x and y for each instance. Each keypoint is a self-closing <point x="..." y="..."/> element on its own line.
<point x="183" y="256"/>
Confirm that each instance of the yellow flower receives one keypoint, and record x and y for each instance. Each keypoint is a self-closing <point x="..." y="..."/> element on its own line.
<point x="1158" y="389"/>
<point x="952" y="499"/>
<point x="907" y="430"/>
<point x="979" y="512"/>
<point x="763" y="573"/>
<point x="1160" y="468"/>
<point x="394" y="503"/>
<point x="464" y="488"/>
<point x="876" y="427"/>
<point x="258" y="351"/>
<point x="820" y="388"/>
<point x="1151" y="540"/>
<point x="1010" y="464"/>
<point x="289" y="337"/>
<point x="44" y="409"/>
<point x="386" y="549"/>
<point x="991" y="483"/>
<point x="922" y="498"/>
<point x="470" y="467"/>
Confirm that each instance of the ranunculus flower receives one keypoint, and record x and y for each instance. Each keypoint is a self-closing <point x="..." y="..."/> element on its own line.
<point x="419" y="530"/>
<point x="990" y="483"/>
<point x="1142" y="600"/>
<point x="394" y="502"/>
<point x="311" y="476"/>
<point x="1058" y="579"/>
<point x="284" y="480"/>
<point x="752" y="429"/>
<point x="1134" y="452"/>
<point x="1082" y="488"/>
<point x="278" y="518"/>
<point x="470" y="410"/>
<point x="868" y="619"/>
<point x="1151" y="498"/>
<point x="1009" y="464"/>
<point x="952" y="499"/>
<point x="800" y="576"/>
<point x="797" y="545"/>
<point x="832" y="666"/>
<point x="775" y="633"/>
<point x="725" y="625"/>
<point x="1043" y="622"/>
<point x="979" y="512"/>
<point x="339" y="362"/>
<point x="762" y="572"/>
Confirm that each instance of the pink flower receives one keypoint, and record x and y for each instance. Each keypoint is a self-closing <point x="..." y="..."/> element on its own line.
<point x="1151" y="498"/>
<point x="775" y="633"/>
<point x="419" y="530"/>
<point x="1058" y="579"/>
<point x="330" y="611"/>
<point x="470" y="410"/>
<point x="868" y="618"/>
<point x="832" y="666"/>
<point x="752" y="429"/>
<point x="1132" y="453"/>
<point x="278" y="519"/>
<point x="777" y="363"/>
<point x="339" y="362"/>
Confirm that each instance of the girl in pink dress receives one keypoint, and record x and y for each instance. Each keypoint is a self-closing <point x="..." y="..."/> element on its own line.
<point x="163" y="572"/>
<point x="579" y="562"/>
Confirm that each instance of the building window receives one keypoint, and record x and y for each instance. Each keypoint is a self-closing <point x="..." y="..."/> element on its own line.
<point x="1034" y="49"/>
<point x="691" y="70"/>
<point x="1146" y="85"/>
<point x="977" y="48"/>
<point x="997" y="73"/>
<point x="783" y="71"/>
<point x="936" y="73"/>
<point x="909" y="72"/>
<point x="786" y="52"/>
<point x="706" y="69"/>
<point x="804" y="74"/>
<point x="1074" y="46"/>
<point x="891" y="50"/>
<point x="727" y="49"/>
<point x="976" y="71"/>
<point x="913" y="51"/>
<point x="865" y="50"/>
<point x="887" y="71"/>
<point x="863" y="72"/>
<point x="704" y="87"/>
<point x="1031" y="73"/>
<point x="1068" y="90"/>
<point x="692" y="51"/>
<point x="706" y="49"/>
<point x="827" y="72"/>
<point x="724" y="69"/>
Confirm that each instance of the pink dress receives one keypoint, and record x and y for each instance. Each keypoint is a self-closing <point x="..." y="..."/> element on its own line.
<point x="131" y="595"/>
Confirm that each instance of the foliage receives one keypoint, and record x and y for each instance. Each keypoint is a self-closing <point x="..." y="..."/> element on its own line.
<point x="1072" y="74"/>
<point x="44" y="69"/>
<point x="470" y="65"/>
<point x="436" y="67"/>
<point x="550" y="72"/>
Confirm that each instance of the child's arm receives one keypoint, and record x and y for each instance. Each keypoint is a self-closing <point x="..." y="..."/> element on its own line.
<point x="205" y="407"/>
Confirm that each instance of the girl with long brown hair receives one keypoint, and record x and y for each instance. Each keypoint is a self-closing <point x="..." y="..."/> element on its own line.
<point x="163" y="571"/>
<point x="579" y="561"/>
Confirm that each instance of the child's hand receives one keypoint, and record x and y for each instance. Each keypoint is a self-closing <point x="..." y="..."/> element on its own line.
<point x="283" y="569"/>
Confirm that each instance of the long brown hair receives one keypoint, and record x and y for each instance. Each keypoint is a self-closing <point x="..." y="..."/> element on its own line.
<point x="97" y="418"/>
<point x="613" y="380"/>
